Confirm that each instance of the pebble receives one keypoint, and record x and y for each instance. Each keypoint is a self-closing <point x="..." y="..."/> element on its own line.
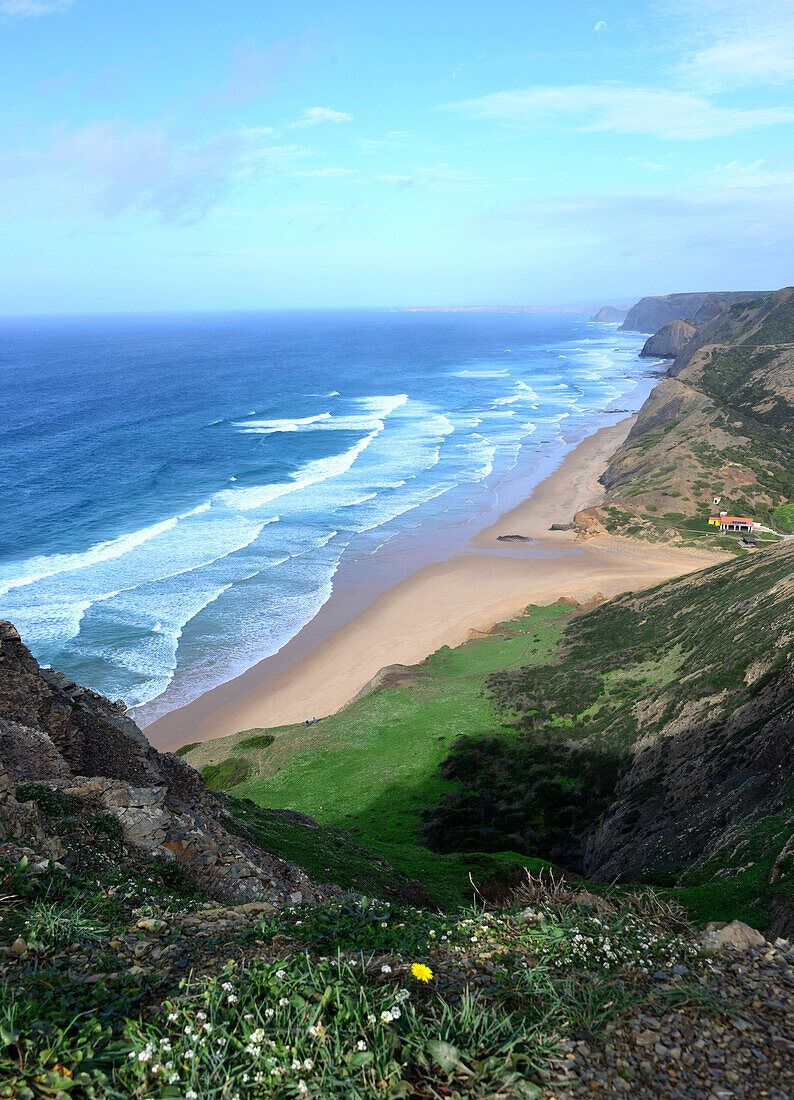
<point x="696" y="1052"/>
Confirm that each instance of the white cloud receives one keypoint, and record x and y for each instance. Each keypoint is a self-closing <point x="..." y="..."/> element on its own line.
<point x="730" y="43"/>
<point x="25" y="8"/>
<point x="106" y="168"/>
<point x="754" y="60"/>
<point x="743" y="234"/>
<point x="620" y="108"/>
<point x="600" y="26"/>
<point x="326" y="173"/>
<point x="757" y="176"/>
<point x="313" y="116"/>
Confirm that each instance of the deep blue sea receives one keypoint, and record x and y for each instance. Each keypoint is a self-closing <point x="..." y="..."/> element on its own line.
<point x="179" y="491"/>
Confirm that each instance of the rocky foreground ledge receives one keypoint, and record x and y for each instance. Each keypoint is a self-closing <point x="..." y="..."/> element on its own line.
<point x="90" y="756"/>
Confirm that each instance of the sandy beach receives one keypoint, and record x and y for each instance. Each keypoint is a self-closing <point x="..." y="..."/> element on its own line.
<point x="334" y="656"/>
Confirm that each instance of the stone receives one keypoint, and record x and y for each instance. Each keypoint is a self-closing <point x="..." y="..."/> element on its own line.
<point x="152" y="924"/>
<point x="19" y="946"/>
<point x="737" y="936"/>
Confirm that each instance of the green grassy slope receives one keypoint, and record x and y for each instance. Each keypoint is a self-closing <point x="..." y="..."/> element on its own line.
<point x="642" y="740"/>
<point x="688" y="687"/>
<point x="372" y="768"/>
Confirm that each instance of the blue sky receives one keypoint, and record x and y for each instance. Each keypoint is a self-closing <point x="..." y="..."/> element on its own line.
<point x="195" y="154"/>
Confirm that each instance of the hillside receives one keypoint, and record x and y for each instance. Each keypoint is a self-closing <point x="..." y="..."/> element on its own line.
<point x="654" y="745"/>
<point x="120" y="978"/>
<point x="553" y="736"/>
<point x="721" y="425"/>
<point x="651" y="314"/>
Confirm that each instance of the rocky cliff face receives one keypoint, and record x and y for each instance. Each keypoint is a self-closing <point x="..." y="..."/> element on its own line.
<point x="722" y="424"/>
<point x="714" y="751"/>
<point x="669" y="341"/>
<point x="609" y="315"/>
<point x="57" y="735"/>
<point x="650" y="314"/>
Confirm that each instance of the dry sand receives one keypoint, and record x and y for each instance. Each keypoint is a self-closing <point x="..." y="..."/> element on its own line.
<point x="324" y="666"/>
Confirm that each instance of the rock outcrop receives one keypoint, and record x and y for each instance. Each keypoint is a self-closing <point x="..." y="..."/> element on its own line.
<point x="56" y="736"/>
<point x="609" y="315"/>
<point x="669" y="341"/>
<point x="650" y="314"/>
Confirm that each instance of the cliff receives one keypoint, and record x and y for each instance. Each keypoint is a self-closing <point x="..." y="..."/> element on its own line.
<point x="609" y="315"/>
<point x="721" y="425"/>
<point x="657" y="744"/>
<point x="651" y="314"/>
<point x="97" y="765"/>
<point x="669" y="341"/>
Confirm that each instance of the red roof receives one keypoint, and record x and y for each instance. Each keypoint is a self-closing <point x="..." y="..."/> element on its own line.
<point x="734" y="519"/>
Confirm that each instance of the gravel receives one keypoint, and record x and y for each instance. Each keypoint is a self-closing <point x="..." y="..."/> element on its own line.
<point x="744" y="1051"/>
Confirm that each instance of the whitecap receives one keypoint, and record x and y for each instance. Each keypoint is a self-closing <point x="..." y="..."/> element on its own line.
<point x="320" y="469"/>
<point x="481" y="373"/>
<point x="20" y="573"/>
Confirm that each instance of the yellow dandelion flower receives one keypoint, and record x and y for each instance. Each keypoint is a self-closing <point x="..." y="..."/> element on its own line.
<point x="421" y="972"/>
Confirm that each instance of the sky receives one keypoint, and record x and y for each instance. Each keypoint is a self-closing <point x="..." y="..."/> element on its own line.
<point x="201" y="154"/>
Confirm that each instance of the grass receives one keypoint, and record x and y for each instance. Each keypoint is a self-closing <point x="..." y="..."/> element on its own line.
<point x="783" y="518"/>
<point x="355" y="999"/>
<point x="372" y="768"/>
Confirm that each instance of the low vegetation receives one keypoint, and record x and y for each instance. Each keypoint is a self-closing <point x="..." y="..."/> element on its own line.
<point x="520" y="747"/>
<point x="360" y="998"/>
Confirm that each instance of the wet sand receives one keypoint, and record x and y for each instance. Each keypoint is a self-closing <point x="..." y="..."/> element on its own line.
<point x="328" y="662"/>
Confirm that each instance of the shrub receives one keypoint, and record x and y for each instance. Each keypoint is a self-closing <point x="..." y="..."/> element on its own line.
<point x="230" y="772"/>
<point x="183" y="750"/>
<point x="48" y="800"/>
<point x="257" y="741"/>
<point x="106" y="825"/>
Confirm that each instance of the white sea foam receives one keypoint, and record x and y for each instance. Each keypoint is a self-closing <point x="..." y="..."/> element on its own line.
<point x="269" y="427"/>
<point x="480" y="373"/>
<point x="378" y="408"/>
<point x="20" y="573"/>
<point x="320" y="469"/>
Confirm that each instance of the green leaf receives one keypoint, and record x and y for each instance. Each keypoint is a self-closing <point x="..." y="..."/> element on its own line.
<point x="447" y="1056"/>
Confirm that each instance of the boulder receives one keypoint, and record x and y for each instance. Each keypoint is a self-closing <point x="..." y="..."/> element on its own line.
<point x="736" y="936"/>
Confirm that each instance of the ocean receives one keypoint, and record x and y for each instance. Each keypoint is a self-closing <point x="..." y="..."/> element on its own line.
<point x="180" y="491"/>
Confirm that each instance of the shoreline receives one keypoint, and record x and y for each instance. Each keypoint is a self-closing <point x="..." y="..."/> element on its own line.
<point x="337" y="654"/>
